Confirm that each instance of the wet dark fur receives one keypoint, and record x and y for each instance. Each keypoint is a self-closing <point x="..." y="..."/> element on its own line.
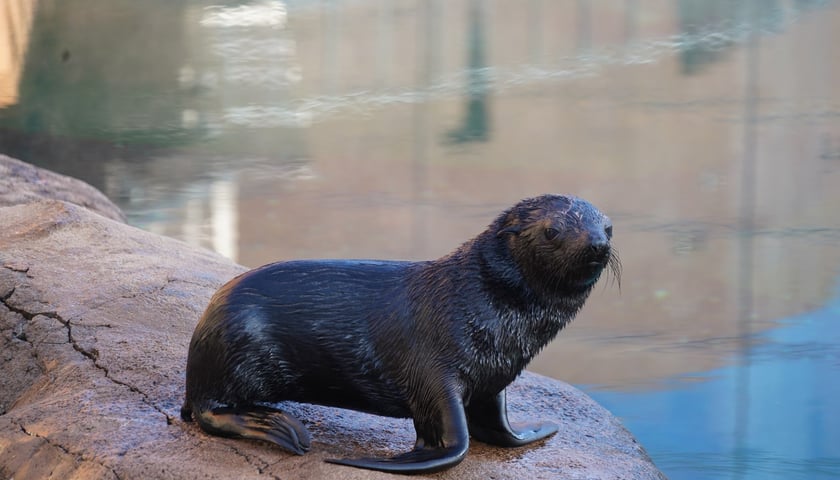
<point x="437" y="341"/>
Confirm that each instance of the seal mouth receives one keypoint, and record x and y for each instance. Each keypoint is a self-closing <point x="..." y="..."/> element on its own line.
<point x="591" y="271"/>
<point x="598" y="260"/>
<point x="593" y="267"/>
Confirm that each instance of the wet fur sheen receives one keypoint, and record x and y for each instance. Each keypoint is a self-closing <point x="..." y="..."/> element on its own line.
<point x="436" y="341"/>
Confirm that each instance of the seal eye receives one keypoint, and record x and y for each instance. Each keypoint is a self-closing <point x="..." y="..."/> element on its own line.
<point x="608" y="231"/>
<point x="551" y="233"/>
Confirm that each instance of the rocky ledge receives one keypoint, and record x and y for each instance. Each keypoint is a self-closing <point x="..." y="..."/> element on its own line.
<point x="95" y="319"/>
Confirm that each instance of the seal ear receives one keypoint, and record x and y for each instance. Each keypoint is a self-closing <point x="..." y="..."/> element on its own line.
<point x="514" y="229"/>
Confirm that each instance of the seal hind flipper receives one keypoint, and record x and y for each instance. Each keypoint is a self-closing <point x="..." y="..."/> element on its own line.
<point x="258" y="423"/>
<point x="442" y="440"/>
<point x="488" y="423"/>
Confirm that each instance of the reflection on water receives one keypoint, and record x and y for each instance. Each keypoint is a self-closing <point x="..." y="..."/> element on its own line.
<point x="772" y="416"/>
<point x="15" y="27"/>
<point x="475" y="126"/>
<point x="707" y="129"/>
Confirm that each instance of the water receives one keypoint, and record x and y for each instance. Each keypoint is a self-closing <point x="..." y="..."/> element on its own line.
<point x="709" y="130"/>
<point x="773" y="414"/>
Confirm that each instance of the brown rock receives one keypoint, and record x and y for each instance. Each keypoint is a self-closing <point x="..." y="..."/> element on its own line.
<point x="95" y="320"/>
<point x="21" y="183"/>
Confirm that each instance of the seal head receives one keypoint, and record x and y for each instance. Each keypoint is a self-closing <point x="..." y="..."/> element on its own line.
<point x="560" y="244"/>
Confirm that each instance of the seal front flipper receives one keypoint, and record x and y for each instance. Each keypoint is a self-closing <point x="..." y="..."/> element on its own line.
<point x="442" y="441"/>
<point x="424" y="460"/>
<point x="256" y="422"/>
<point x="488" y="423"/>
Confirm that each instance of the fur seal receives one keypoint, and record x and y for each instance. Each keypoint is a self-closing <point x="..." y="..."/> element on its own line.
<point x="437" y="341"/>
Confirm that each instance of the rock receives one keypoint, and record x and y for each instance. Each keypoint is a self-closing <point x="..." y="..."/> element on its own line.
<point x="95" y="321"/>
<point x="21" y="183"/>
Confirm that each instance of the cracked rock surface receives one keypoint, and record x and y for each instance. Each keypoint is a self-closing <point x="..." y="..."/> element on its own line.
<point x="95" y="320"/>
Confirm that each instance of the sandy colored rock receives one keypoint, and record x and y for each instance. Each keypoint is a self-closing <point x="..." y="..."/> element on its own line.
<point x="96" y="317"/>
<point x="21" y="183"/>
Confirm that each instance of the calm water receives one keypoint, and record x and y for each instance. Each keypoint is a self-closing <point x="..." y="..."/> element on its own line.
<point x="709" y="130"/>
<point x="771" y="414"/>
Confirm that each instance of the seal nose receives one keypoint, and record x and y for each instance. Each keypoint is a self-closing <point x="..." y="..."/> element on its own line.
<point x="599" y="247"/>
<point x="599" y="242"/>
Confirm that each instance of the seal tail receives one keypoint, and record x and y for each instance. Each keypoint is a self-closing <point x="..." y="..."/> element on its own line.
<point x="257" y="423"/>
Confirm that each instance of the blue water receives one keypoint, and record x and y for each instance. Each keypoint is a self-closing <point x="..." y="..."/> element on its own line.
<point x="774" y="414"/>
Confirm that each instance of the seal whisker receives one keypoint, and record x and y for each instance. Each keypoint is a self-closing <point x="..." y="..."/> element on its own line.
<point x="614" y="264"/>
